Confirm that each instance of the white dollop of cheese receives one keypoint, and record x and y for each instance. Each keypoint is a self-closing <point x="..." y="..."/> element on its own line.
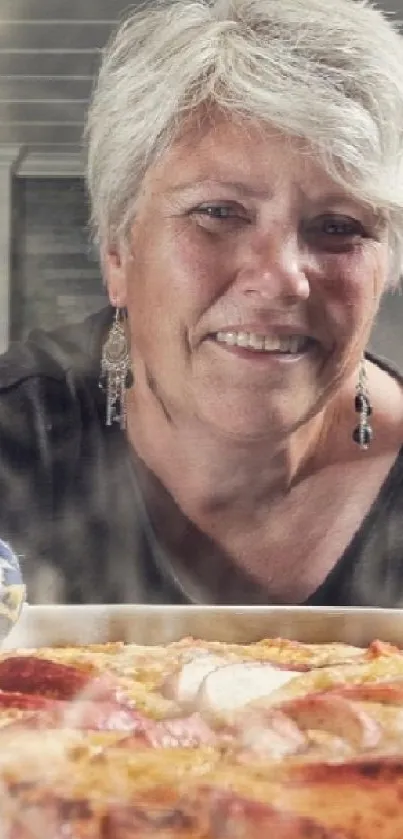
<point x="230" y="687"/>
<point x="185" y="685"/>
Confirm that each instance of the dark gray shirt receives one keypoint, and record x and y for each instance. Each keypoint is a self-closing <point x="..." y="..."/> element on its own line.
<point x="72" y="507"/>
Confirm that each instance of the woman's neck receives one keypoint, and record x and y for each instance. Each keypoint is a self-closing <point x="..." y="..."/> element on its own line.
<point x="207" y="473"/>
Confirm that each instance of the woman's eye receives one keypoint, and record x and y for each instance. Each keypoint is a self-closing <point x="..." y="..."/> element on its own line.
<point x="215" y="214"/>
<point x="338" y="232"/>
<point x="220" y="211"/>
<point x="342" y="227"/>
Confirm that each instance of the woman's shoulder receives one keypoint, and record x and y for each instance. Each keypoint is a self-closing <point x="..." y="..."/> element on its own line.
<point x="385" y="393"/>
<point x="50" y="421"/>
<point x="48" y="371"/>
<point x="54" y="354"/>
<point x="48" y="388"/>
<point x="378" y="573"/>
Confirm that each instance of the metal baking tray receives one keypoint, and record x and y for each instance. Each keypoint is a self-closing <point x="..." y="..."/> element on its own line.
<point x="63" y="625"/>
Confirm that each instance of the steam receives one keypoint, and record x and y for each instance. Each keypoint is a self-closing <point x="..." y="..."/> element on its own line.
<point x="43" y="775"/>
<point x="50" y="784"/>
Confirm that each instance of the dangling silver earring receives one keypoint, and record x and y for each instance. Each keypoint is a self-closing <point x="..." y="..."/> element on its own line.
<point x="363" y="433"/>
<point x="116" y="374"/>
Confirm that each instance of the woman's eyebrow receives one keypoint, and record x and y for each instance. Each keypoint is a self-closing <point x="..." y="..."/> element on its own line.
<point x="240" y="187"/>
<point x="257" y="191"/>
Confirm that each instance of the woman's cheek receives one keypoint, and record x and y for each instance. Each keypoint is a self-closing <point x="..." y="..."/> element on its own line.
<point x="354" y="279"/>
<point x="199" y="272"/>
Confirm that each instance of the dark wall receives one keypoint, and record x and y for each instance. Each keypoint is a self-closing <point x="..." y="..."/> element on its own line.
<point x="55" y="275"/>
<point x="387" y="337"/>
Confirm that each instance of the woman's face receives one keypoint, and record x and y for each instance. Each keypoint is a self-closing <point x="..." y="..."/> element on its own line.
<point x="252" y="282"/>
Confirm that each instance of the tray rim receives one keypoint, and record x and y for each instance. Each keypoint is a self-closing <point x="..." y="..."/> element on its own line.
<point x="153" y="608"/>
<point x="156" y="625"/>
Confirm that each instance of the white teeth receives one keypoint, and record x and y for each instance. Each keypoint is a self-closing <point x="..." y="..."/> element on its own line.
<point x="291" y="344"/>
<point x="256" y="341"/>
<point x="272" y="344"/>
<point x="242" y="339"/>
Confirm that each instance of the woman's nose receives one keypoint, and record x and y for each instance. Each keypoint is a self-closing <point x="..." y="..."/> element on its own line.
<point x="274" y="272"/>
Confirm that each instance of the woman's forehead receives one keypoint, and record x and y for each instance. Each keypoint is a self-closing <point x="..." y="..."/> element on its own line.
<point x="254" y="159"/>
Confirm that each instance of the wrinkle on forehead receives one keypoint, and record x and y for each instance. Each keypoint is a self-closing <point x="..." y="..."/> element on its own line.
<point x="250" y="157"/>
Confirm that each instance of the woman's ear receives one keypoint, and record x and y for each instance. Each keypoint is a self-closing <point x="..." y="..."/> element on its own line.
<point x="115" y="272"/>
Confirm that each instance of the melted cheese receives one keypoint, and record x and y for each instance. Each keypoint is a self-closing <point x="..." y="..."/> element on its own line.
<point x="235" y="685"/>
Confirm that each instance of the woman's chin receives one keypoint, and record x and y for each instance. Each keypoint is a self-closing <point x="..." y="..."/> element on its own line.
<point x="246" y="425"/>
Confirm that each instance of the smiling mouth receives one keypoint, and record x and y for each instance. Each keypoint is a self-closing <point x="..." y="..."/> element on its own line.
<point x="264" y="343"/>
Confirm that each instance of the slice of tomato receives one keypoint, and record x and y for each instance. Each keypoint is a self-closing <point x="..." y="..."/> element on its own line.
<point x="33" y="675"/>
<point x="25" y="701"/>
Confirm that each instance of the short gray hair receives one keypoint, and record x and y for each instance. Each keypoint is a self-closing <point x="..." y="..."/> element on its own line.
<point x="330" y="73"/>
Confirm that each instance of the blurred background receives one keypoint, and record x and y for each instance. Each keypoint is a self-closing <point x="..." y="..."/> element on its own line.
<point x="49" y="53"/>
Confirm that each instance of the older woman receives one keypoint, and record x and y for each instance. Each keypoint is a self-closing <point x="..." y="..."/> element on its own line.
<point x="245" y="171"/>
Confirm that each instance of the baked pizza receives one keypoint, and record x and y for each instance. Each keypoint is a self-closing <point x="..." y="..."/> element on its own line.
<point x="201" y="740"/>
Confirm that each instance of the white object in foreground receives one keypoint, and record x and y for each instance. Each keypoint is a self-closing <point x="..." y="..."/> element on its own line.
<point x="184" y="685"/>
<point x="235" y="685"/>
